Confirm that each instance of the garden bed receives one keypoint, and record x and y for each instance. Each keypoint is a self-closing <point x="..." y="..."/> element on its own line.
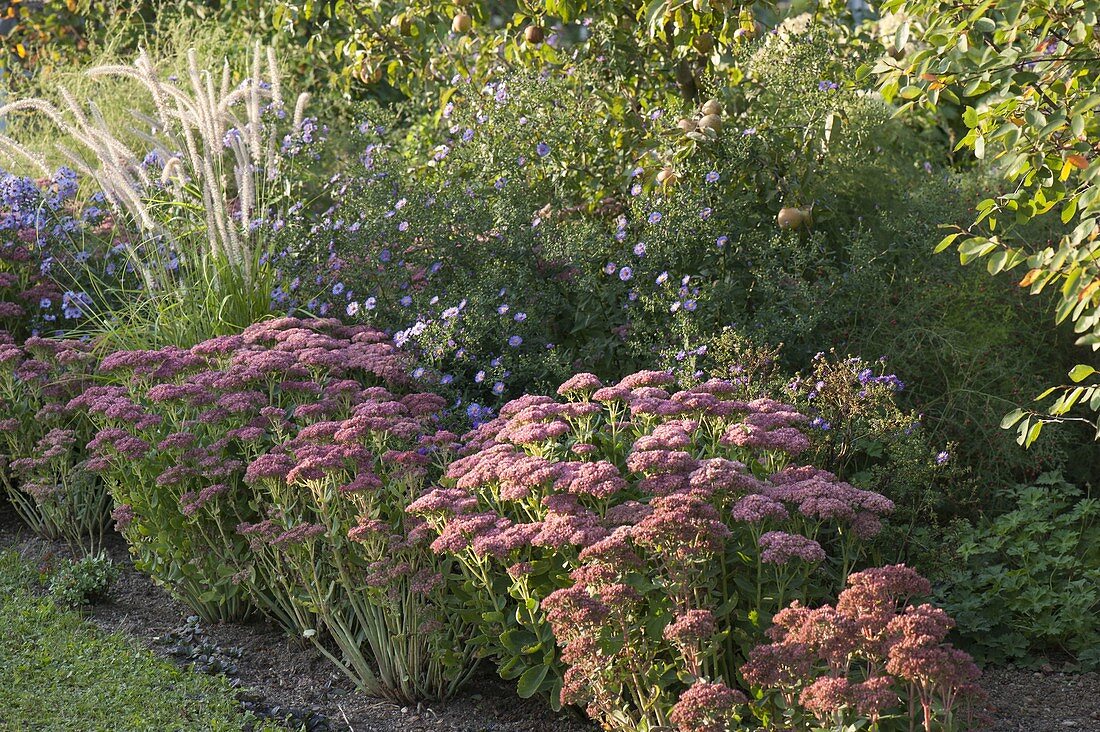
<point x="281" y="678"/>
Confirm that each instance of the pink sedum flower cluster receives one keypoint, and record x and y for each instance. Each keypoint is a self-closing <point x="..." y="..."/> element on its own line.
<point x="871" y="654"/>
<point x="179" y="428"/>
<point x="42" y="441"/>
<point x="632" y="506"/>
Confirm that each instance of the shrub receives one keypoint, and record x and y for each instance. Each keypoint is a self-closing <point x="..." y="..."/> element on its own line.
<point x="42" y="441"/>
<point x="84" y="582"/>
<point x="44" y="238"/>
<point x="869" y="658"/>
<point x="448" y="245"/>
<point x="649" y="534"/>
<point x="1025" y="583"/>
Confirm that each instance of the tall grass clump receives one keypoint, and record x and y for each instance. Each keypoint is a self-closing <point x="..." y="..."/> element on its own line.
<point x="193" y="181"/>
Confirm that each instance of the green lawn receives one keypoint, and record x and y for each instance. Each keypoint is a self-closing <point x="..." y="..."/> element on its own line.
<point x="58" y="672"/>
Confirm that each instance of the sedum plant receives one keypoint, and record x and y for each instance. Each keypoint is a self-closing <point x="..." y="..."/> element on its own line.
<point x="630" y="542"/>
<point x="42" y="441"/>
<point x="175" y="440"/>
<point x="337" y="546"/>
<point x="872" y="659"/>
<point x="271" y="470"/>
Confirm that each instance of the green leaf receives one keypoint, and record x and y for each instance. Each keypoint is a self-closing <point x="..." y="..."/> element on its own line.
<point x="1012" y="418"/>
<point x="1087" y="104"/>
<point x="1080" y="372"/>
<point x="1033" y="433"/>
<point x="516" y="639"/>
<point x="946" y="242"/>
<point x="901" y="36"/>
<point x="531" y="680"/>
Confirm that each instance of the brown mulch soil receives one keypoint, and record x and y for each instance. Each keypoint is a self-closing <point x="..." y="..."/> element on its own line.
<point x="280" y="677"/>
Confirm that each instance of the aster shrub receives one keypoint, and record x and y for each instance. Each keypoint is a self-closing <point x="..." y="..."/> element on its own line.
<point x="627" y="544"/>
<point x="42" y="442"/>
<point x="447" y="237"/>
<point x="870" y="659"/>
<point x="338" y="553"/>
<point x="465" y="274"/>
<point x="178" y="427"/>
<point x="861" y="432"/>
<point x="47" y="239"/>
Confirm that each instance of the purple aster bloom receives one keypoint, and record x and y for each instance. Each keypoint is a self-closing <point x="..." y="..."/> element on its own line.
<point x="626" y="273"/>
<point x="406" y="300"/>
<point x="690" y="306"/>
<point x="403" y="226"/>
<point x="479" y="377"/>
<point x="502" y="309"/>
<point x="662" y="278"/>
<point x="498" y="388"/>
<point x="515" y="341"/>
<point x="943" y="457"/>
<point x="352" y="308"/>
<point x="610" y="268"/>
<point x="639" y="249"/>
<point x="636" y="189"/>
<point x="654" y="217"/>
<point x="519" y="317"/>
<point x="370" y="303"/>
<point x="542" y="149"/>
<point x="722" y="241"/>
<point x="338" y="288"/>
<point x="712" y="176"/>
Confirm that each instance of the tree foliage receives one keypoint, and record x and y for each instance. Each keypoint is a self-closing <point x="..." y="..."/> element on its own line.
<point x="1025" y="77"/>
